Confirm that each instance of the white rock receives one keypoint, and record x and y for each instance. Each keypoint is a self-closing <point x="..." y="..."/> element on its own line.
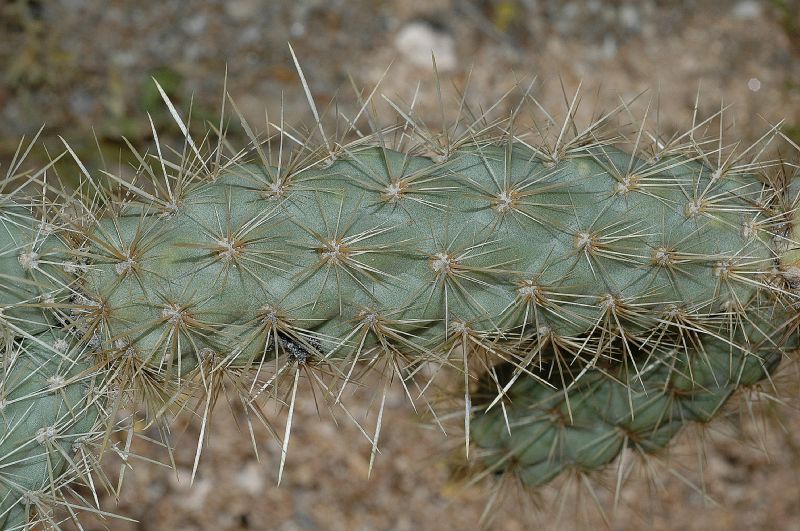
<point x="747" y="10"/>
<point x="629" y="17"/>
<point x="417" y="40"/>
<point x="196" y="24"/>
<point x="251" y="478"/>
<point x="242" y="10"/>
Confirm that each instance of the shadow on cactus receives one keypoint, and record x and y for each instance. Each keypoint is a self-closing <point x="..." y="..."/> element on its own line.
<point x="596" y="288"/>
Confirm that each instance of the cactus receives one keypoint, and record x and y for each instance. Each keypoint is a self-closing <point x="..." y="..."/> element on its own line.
<point x="49" y="416"/>
<point x="584" y="424"/>
<point x="50" y="419"/>
<point x="601" y="298"/>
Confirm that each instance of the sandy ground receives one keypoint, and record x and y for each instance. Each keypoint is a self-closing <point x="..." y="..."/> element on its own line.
<point x="83" y="65"/>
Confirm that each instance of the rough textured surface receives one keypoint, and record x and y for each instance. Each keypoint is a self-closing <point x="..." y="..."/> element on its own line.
<point x="49" y="415"/>
<point x="493" y="238"/>
<point x="48" y="412"/>
<point x="584" y="425"/>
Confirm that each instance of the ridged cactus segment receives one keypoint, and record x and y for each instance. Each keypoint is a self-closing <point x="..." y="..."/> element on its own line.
<point x="546" y="427"/>
<point x="48" y="387"/>
<point x="635" y="268"/>
<point x="493" y="236"/>
<point x="47" y="408"/>
<point x="31" y="270"/>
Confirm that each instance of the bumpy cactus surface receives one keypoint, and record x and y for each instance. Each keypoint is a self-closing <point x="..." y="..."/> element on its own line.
<point x="595" y="297"/>
<point x="49" y="414"/>
<point x="584" y="425"/>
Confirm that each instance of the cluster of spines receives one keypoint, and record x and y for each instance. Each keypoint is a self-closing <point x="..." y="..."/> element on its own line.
<point x="541" y="428"/>
<point x="493" y="249"/>
<point x="55" y="387"/>
<point x="47" y="412"/>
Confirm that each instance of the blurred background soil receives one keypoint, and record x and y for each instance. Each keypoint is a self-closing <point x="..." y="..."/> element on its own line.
<point x="84" y="68"/>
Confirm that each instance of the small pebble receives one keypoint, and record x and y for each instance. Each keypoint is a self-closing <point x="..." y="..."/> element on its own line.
<point x="747" y="10"/>
<point x="629" y="17"/>
<point x="242" y="10"/>
<point x="417" y="40"/>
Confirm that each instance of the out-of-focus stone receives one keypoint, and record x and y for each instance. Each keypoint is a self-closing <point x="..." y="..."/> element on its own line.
<point x="747" y="10"/>
<point x="241" y="10"/>
<point x="416" y="42"/>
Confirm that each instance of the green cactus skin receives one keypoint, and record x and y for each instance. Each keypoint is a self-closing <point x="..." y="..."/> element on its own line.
<point x="608" y="298"/>
<point x="48" y="413"/>
<point x="629" y="266"/>
<point x="491" y="239"/>
<point x="48" y="391"/>
<point x="543" y="431"/>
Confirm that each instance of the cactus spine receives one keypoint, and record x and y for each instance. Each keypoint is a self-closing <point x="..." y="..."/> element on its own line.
<point x="602" y="298"/>
<point x="49" y="413"/>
